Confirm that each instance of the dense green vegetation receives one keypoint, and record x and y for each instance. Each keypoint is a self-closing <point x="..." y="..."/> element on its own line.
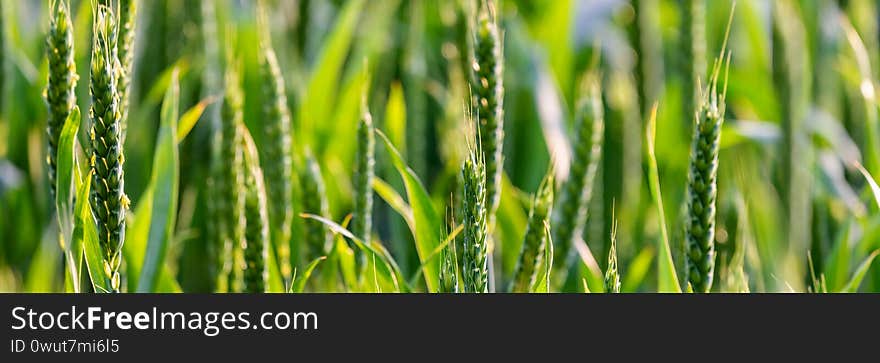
<point x="439" y="146"/>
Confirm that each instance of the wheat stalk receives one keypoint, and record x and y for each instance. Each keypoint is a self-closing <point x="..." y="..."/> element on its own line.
<point x="572" y="206"/>
<point x="702" y="187"/>
<point x="612" y="275"/>
<point x="277" y="162"/>
<point x="365" y="161"/>
<point x="314" y="201"/>
<point x="448" y="263"/>
<point x="125" y="48"/>
<point x="108" y="199"/>
<point x="474" y="218"/>
<point x="488" y="88"/>
<point x="215" y="233"/>
<point x="693" y="40"/>
<point x="535" y="237"/>
<point x="257" y="217"/>
<point x="59" y="94"/>
<point x="231" y="182"/>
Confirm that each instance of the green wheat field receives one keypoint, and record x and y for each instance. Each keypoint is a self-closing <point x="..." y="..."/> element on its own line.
<point x="450" y="146"/>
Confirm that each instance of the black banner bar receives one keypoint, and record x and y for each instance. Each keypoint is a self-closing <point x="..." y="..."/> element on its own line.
<point x="416" y="326"/>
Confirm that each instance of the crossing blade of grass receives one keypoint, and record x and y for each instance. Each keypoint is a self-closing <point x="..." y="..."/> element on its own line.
<point x="64" y="183"/>
<point x="345" y="257"/>
<point x="299" y="283"/>
<point x="542" y="283"/>
<point x="667" y="280"/>
<point x="390" y="196"/>
<point x="191" y="116"/>
<point x="136" y="235"/>
<point x="875" y="189"/>
<point x="65" y="189"/>
<point x="86" y="231"/>
<point x="160" y="85"/>
<point x="375" y="249"/>
<point x="164" y="190"/>
<point x="427" y="223"/>
<point x="853" y="285"/>
<point x="837" y="261"/>
<point x="437" y="251"/>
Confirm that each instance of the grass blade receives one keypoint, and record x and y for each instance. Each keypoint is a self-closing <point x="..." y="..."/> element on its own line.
<point x="853" y="285"/>
<point x="191" y="116"/>
<point x="65" y="186"/>
<point x="164" y="191"/>
<point x="86" y="231"/>
<point x="300" y="284"/>
<point x="875" y="189"/>
<point x="667" y="280"/>
<point x="320" y="96"/>
<point x="373" y="248"/>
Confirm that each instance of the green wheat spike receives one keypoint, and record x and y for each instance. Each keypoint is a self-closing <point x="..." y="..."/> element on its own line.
<point x="314" y="201"/>
<point x="488" y="88"/>
<point x="702" y="187"/>
<point x="570" y="214"/>
<point x="108" y="198"/>
<point x="536" y="236"/>
<point x="277" y="160"/>
<point x="60" y="89"/>
<point x="362" y="219"/>
<point x="256" y="233"/>
<point x="474" y="256"/>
